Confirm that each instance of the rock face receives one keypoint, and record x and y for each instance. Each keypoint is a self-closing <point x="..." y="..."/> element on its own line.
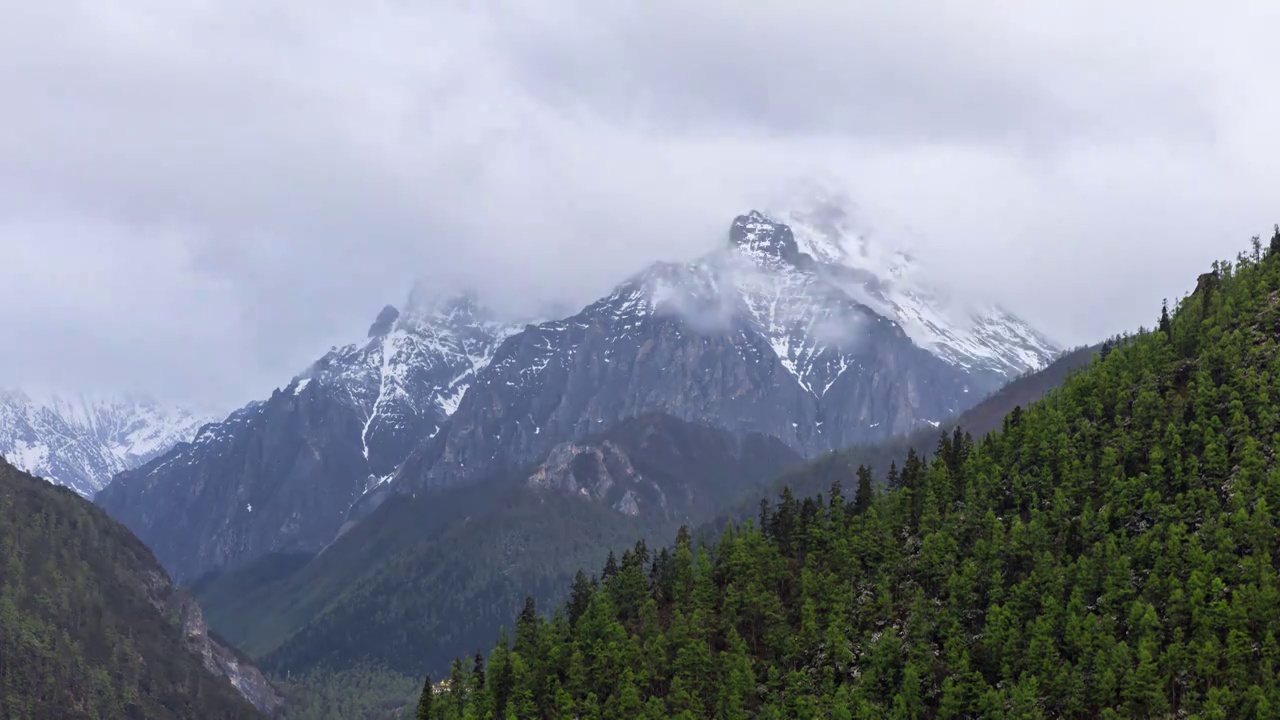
<point x="593" y="471"/>
<point x="221" y="660"/>
<point x="281" y="474"/>
<point x="804" y="331"/>
<point x="82" y="441"/>
<point x="385" y="322"/>
<point x="662" y="468"/>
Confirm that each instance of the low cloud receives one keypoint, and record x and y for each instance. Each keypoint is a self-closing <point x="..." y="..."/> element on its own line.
<point x="723" y="290"/>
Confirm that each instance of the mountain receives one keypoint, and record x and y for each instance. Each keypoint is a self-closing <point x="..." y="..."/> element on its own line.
<point x="280" y="475"/>
<point x="758" y="337"/>
<point x="489" y="544"/>
<point x="350" y="605"/>
<point x="90" y="625"/>
<point x="81" y="441"/>
<point x="887" y="276"/>
<point x="1109" y="552"/>
<point x="987" y="416"/>
<point x="643" y="478"/>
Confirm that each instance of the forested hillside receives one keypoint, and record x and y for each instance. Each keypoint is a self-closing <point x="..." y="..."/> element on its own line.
<point x="372" y="610"/>
<point x="1109" y="553"/>
<point x="90" y="626"/>
<point x="882" y="458"/>
<point x="424" y="578"/>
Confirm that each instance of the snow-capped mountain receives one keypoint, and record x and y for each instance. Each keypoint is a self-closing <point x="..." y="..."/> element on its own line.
<point x="81" y="441"/>
<point x="887" y="277"/>
<point x="812" y="334"/>
<point x="281" y="474"/>
<point x="766" y="334"/>
<point x="408" y="378"/>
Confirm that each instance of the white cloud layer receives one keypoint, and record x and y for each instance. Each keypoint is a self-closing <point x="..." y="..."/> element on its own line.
<point x="198" y="198"/>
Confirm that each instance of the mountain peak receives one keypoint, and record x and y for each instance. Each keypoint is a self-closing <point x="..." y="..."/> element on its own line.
<point x="384" y="322"/>
<point x="764" y="240"/>
<point x="432" y="305"/>
<point x="829" y="226"/>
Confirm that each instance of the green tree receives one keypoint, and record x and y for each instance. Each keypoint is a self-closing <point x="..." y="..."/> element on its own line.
<point x="866" y="490"/>
<point x="425" y="700"/>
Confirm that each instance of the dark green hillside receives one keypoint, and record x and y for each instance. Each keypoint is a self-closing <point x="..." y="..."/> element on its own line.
<point x="1111" y="552"/>
<point x="989" y="414"/>
<point x="227" y="595"/>
<point x="89" y="623"/>
<point x="986" y="416"/>
<point x="460" y="561"/>
<point x="260" y="606"/>
<point x="453" y="590"/>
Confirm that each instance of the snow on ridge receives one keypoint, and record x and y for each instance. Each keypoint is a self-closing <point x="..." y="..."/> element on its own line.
<point x="827" y="226"/>
<point x="82" y="440"/>
<point x="789" y="303"/>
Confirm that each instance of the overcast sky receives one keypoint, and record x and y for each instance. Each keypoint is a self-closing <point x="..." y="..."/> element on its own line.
<point x="198" y="198"/>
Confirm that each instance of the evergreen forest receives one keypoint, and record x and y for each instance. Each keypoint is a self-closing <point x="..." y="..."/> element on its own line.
<point x="88" y="628"/>
<point x="1109" y="552"/>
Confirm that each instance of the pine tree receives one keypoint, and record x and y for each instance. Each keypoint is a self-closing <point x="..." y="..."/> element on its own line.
<point x="1165" y="322"/>
<point x="641" y="553"/>
<point x="912" y="470"/>
<point x="579" y="597"/>
<point x="527" y="627"/>
<point x="457" y="685"/>
<point x="477" y="672"/>
<point x="866" y="492"/>
<point x="501" y="675"/>
<point x="425" y="699"/>
<point x="785" y="519"/>
<point x="837" y="495"/>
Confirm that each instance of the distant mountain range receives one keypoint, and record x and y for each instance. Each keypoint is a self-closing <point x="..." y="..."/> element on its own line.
<point x="806" y="331"/>
<point x="282" y="473"/>
<point x="81" y="441"/>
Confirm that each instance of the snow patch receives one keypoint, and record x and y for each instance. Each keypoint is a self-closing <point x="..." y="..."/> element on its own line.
<point x="83" y="440"/>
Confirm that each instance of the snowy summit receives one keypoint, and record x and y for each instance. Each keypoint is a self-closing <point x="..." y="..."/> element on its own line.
<point x="81" y="441"/>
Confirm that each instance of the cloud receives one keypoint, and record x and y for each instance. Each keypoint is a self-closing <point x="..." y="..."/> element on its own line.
<point x="198" y="198"/>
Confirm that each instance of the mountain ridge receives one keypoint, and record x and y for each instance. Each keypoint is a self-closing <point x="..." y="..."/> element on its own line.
<point x="755" y="337"/>
<point x="282" y="473"/>
<point x="91" y="626"/>
<point x="275" y="605"/>
<point x="760" y="305"/>
<point x="83" y="440"/>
